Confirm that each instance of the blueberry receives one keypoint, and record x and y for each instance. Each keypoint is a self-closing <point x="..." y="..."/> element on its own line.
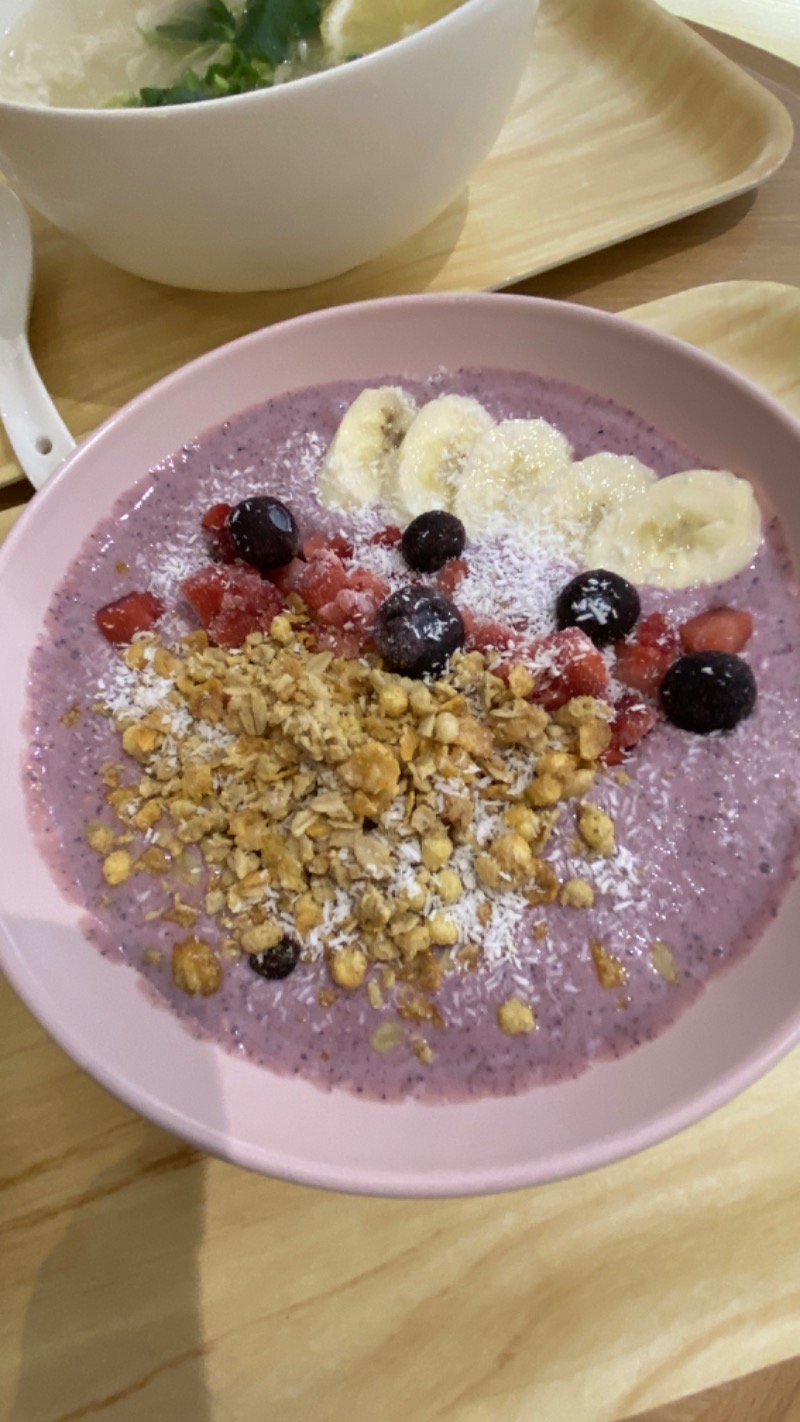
<point x="603" y="605"/>
<point x="432" y="539"/>
<point x="708" y="691"/>
<point x="263" y="532"/>
<point x="416" y="630"/>
<point x="277" y="962"/>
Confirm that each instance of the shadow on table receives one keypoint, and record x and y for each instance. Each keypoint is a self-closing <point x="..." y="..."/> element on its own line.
<point x="114" y="1319"/>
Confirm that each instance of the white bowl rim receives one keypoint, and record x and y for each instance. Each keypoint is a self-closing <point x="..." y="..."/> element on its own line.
<point x="266" y="95"/>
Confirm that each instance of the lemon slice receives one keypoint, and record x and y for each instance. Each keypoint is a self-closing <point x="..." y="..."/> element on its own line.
<point x="352" y="27"/>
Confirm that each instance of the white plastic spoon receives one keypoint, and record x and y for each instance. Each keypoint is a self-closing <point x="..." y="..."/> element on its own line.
<point x="38" y="435"/>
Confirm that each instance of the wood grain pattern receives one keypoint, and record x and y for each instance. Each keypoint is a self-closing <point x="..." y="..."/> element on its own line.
<point x="141" y="1281"/>
<point x="610" y="84"/>
<point x="755" y="235"/>
<point x="772" y="1395"/>
<point x="773" y="24"/>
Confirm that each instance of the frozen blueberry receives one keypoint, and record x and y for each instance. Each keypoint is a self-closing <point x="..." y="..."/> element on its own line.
<point x="432" y="539"/>
<point x="708" y="691"/>
<point x="602" y="604"/>
<point x="277" y="962"/>
<point x="416" y="630"/>
<point x="263" y="532"/>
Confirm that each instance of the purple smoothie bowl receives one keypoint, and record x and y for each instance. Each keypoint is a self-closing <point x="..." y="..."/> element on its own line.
<point x="739" y="1027"/>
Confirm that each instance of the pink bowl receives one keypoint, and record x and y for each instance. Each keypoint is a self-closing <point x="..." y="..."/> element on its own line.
<point x="741" y="1026"/>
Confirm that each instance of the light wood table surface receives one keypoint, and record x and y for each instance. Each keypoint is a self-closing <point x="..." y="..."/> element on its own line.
<point x="140" y="1281"/>
<point x="772" y="24"/>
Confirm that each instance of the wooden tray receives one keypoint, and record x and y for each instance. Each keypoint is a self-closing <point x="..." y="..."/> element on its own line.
<point x="625" y="120"/>
<point x="142" y="1280"/>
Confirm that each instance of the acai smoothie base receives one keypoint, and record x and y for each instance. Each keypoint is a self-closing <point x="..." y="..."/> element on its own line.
<point x="456" y="884"/>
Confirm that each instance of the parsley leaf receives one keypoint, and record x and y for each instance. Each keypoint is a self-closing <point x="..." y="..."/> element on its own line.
<point x="265" y="35"/>
<point x="268" y="29"/>
<point x="212" y="23"/>
<point x="151" y="98"/>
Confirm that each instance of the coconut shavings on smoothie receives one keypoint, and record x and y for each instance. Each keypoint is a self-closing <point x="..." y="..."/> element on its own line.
<point x="426" y="738"/>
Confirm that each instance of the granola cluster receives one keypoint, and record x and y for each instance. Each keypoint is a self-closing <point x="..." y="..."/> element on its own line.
<point x="386" y="824"/>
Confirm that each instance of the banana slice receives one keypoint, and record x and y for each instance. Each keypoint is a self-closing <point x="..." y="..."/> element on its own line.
<point x="502" y="469"/>
<point x="352" y="27"/>
<point x="577" y="496"/>
<point x="360" y="459"/>
<point x="702" y="526"/>
<point x="433" y="453"/>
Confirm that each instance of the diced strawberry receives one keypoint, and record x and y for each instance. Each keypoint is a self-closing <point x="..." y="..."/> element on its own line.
<point x="322" y="579"/>
<point x="288" y="578"/>
<point x="451" y="575"/>
<point x="362" y="580"/>
<point x="481" y="634"/>
<point x="327" y="543"/>
<point x="388" y="537"/>
<point x="119" y="621"/>
<point x="214" y="524"/>
<point x="232" y="601"/>
<point x="656" y="630"/>
<point x="351" y="609"/>
<point x="640" y="667"/>
<point x="341" y="546"/>
<point x="204" y="590"/>
<point x="335" y="639"/>
<point x="718" y="629"/>
<point x="643" y="658"/>
<point x="313" y="545"/>
<point x="632" y="720"/>
<point x="566" y="664"/>
<point x="230" y="628"/>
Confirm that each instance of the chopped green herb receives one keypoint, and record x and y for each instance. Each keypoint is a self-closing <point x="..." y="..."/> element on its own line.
<point x="266" y="33"/>
<point x="269" y="29"/>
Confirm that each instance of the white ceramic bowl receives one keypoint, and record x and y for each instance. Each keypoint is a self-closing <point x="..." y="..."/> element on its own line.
<point x="285" y="186"/>
<point x="744" y="1022"/>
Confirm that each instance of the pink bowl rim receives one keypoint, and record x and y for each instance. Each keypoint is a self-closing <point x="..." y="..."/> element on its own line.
<point x="573" y="1161"/>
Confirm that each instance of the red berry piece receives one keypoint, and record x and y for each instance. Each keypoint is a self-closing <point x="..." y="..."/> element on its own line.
<point x="643" y="660"/>
<point x="388" y="537"/>
<point x="452" y="576"/>
<point x="655" y="630"/>
<point x="718" y="629"/>
<point x="287" y="579"/>
<point x="204" y="591"/>
<point x="231" y="627"/>
<point x="322" y="579"/>
<point x="632" y="720"/>
<point x="564" y="665"/>
<point x="232" y="602"/>
<point x="640" y="667"/>
<point x="214" y="524"/>
<point x="119" y="621"/>
<point x="482" y="635"/>
<point x="327" y="543"/>
<point x="341" y="546"/>
<point x="362" y="580"/>
<point x="351" y="610"/>
<point x="342" y="642"/>
<point x="314" y="544"/>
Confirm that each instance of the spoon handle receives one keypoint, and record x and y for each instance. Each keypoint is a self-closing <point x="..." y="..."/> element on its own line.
<point x="38" y="435"/>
